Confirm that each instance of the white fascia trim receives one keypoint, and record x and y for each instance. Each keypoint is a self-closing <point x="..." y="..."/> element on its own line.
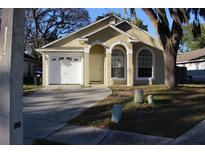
<point x="118" y="79"/>
<point x="133" y="40"/>
<point x="51" y="50"/>
<point x="79" y="30"/>
<point x="122" y="32"/>
<point x="113" y="27"/>
<point x="120" y="22"/>
<point x="191" y="61"/>
<point x="83" y="39"/>
<point x="85" y="36"/>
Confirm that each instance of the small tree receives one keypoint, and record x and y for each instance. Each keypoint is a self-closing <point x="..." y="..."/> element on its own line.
<point x="170" y="34"/>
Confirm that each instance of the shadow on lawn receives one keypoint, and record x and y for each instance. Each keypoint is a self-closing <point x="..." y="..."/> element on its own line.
<point x="174" y="113"/>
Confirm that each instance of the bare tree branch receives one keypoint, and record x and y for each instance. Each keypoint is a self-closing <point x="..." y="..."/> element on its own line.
<point x="152" y="16"/>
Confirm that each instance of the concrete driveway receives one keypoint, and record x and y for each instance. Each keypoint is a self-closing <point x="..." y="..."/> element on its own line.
<point x="47" y="110"/>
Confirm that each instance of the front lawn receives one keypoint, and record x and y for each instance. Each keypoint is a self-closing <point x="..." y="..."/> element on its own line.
<point x="174" y="112"/>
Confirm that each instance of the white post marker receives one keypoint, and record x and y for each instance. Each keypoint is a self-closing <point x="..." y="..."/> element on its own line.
<point x="11" y="76"/>
<point x="150" y="99"/>
<point x="116" y="113"/>
<point x="138" y="96"/>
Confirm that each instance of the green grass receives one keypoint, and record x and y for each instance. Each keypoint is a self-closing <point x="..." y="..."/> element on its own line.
<point x="28" y="89"/>
<point x="173" y="113"/>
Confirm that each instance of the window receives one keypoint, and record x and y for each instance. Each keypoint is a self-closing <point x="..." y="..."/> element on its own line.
<point x="69" y="58"/>
<point x="76" y="59"/>
<point x="117" y="64"/>
<point x="61" y="58"/>
<point x="145" y="64"/>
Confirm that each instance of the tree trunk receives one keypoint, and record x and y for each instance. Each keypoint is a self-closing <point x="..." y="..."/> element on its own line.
<point x="170" y="68"/>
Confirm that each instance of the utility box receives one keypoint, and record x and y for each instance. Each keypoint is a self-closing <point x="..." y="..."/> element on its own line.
<point x="139" y="96"/>
<point x="150" y="99"/>
<point x="116" y="113"/>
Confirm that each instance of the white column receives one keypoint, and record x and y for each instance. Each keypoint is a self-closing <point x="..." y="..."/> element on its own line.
<point x="45" y="61"/>
<point x="108" y="67"/>
<point x="86" y="69"/>
<point x="11" y="76"/>
<point x="130" y="72"/>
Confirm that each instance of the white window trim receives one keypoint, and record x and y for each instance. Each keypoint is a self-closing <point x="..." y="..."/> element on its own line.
<point x="153" y="64"/>
<point x="118" y="79"/>
<point x="125" y="60"/>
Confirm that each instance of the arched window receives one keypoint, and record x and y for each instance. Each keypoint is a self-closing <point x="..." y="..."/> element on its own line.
<point x="118" y="63"/>
<point x="145" y="64"/>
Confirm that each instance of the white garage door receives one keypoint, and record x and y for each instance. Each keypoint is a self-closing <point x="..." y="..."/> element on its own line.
<point x="65" y="69"/>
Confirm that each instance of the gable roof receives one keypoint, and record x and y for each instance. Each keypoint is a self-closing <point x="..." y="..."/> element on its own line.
<point x="138" y="36"/>
<point x="135" y="26"/>
<point x="66" y="36"/>
<point x="109" y="26"/>
<point x="192" y="55"/>
<point x="142" y="35"/>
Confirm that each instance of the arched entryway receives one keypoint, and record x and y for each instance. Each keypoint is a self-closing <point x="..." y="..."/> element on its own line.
<point x="97" y="64"/>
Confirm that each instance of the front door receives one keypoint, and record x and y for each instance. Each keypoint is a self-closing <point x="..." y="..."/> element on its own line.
<point x="97" y="68"/>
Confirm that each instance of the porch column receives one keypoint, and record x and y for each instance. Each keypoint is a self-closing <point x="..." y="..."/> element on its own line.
<point x="130" y="72"/>
<point x="108" y="68"/>
<point x="86" y="69"/>
<point x="45" y="71"/>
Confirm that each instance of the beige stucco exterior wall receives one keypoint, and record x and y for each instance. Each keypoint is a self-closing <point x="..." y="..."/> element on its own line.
<point x="145" y="37"/>
<point x="109" y="38"/>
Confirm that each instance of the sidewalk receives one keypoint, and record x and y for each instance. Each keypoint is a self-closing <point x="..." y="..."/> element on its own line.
<point x="78" y="135"/>
<point x="195" y="136"/>
<point x="96" y="136"/>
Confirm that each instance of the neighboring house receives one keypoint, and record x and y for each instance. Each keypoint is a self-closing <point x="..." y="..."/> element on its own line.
<point x="109" y="51"/>
<point x="194" y="61"/>
<point x="31" y="65"/>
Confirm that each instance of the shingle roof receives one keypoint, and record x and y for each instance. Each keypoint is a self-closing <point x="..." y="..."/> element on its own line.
<point x="139" y="34"/>
<point x="188" y="56"/>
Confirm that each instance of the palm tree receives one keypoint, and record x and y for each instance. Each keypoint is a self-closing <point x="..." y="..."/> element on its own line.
<point x="170" y="33"/>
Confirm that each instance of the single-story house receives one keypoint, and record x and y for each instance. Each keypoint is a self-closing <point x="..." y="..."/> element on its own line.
<point x="194" y="61"/>
<point x="109" y="51"/>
